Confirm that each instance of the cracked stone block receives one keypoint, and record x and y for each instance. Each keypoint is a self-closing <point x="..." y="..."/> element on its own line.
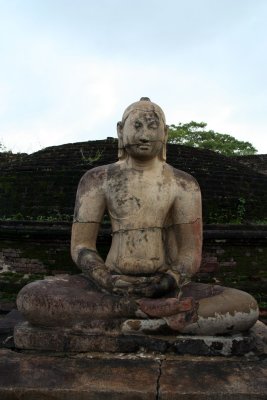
<point x="80" y="340"/>
<point x="45" y="377"/>
<point x="213" y="378"/>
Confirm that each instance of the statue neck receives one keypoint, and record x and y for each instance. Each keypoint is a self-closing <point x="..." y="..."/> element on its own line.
<point x="143" y="165"/>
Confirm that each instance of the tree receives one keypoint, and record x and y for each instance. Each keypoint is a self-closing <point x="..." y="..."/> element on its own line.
<point x="3" y="148"/>
<point x="194" y="134"/>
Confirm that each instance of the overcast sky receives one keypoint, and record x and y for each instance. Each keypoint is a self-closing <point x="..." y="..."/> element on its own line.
<point x="69" y="68"/>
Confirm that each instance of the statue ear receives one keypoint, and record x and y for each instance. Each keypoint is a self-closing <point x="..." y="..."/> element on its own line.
<point x="119" y="129"/>
<point x="166" y="132"/>
<point x="121" y="150"/>
<point x="164" y="147"/>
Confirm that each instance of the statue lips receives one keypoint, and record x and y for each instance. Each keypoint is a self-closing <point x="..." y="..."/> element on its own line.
<point x="166" y="307"/>
<point x="144" y="146"/>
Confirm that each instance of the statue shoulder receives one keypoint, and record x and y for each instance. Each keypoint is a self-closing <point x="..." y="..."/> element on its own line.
<point x="183" y="179"/>
<point x="98" y="173"/>
<point x="95" y="177"/>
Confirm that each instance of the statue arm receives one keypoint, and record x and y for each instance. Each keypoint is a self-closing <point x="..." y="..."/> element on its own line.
<point x="189" y="242"/>
<point x="187" y="229"/>
<point x="89" y="209"/>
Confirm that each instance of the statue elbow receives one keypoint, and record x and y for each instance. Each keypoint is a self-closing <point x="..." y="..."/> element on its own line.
<point x="75" y="253"/>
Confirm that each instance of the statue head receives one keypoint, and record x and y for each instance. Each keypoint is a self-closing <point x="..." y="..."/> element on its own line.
<point x="142" y="130"/>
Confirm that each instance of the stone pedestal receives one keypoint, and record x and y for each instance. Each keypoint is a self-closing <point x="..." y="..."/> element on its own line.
<point x="70" y="340"/>
<point x="39" y="376"/>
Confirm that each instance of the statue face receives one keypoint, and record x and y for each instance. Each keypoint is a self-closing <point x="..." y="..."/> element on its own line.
<point x="143" y="134"/>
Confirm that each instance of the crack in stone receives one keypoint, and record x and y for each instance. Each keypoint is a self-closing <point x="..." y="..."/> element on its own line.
<point x="139" y="229"/>
<point x="155" y="227"/>
<point x="158" y="380"/>
<point x="186" y="223"/>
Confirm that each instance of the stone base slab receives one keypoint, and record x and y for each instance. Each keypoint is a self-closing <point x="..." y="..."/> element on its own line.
<point x="28" y="337"/>
<point x="39" y="376"/>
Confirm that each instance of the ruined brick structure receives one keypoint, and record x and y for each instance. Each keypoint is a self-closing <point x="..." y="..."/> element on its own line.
<point x="230" y="190"/>
<point x="257" y="162"/>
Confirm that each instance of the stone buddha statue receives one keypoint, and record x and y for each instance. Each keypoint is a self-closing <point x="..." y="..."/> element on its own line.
<point x="144" y="285"/>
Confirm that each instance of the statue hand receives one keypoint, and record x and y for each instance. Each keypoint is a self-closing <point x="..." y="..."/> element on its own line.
<point x="157" y="286"/>
<point x="101" y="277"/>
<point x="94" y="267"/>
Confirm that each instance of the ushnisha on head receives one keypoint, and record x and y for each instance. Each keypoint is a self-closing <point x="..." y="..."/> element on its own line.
<point x="142" y="122"/>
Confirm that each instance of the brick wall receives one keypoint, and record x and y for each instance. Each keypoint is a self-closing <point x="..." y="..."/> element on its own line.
<point x="232" y="255"/>
<point x="11" y="259"/>
<point x="44" y="183"/>
<point x="258" y="162"/>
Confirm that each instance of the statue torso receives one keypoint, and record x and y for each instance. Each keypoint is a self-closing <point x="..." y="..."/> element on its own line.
<point x="138" y="203"/>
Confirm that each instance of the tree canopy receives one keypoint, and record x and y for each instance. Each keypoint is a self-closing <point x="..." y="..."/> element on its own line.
<point x="194" y="134"/>
<point x="3" y="148"/>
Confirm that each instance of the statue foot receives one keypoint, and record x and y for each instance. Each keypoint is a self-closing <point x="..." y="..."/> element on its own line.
<point x="168" y="314"/>
<point x="148" y="326"/>
<point x="165" y="325"/>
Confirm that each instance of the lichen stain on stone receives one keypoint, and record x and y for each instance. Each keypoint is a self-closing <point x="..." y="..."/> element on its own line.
<point x="183" y="184"/>
<point x="219" y="323"/>
<point x="159" y="184"/>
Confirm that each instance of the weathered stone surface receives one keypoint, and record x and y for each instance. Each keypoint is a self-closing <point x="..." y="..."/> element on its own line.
<point x="35" y="377"/>
<point x="59" y="339"/>
<point x="8" y="322"/>
<point x="260" y="330"/>
<point x="213" y="379"/>
<point x="136" y="377"/>
<point x="61" y="166"/>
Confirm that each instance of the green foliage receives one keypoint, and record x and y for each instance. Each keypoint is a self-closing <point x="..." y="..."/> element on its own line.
<point x="3" y="149"/>
<point x="241" y="210"/>
<point x="4" y="296"/>
<point x="54" y="218"/>
<point x="91" y="158"/>
<point x="194" y="134"/>
<point x="40" y="218"/>
<point x="220" y="215"/>
<point x="11" y="282"/>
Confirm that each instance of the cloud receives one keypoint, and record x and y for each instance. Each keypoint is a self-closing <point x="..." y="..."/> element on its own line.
<point x="82" y="99"/>
<point x="66" y="99"/>
<point x="67" y="77"/>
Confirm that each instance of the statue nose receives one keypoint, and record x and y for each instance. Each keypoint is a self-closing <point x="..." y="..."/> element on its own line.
<point x="144" y="139"/>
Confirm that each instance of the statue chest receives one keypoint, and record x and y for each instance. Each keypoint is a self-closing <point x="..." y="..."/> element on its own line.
<point x="144" y="200"/>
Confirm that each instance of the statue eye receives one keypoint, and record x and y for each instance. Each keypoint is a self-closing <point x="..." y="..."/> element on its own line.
<point x="153" y="124"/>
<point x="138" y="124"/>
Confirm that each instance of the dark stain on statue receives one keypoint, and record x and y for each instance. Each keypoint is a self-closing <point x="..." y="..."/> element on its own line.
<point x="183" y="184"/>
<point x="91" y="179"/>
<point x="159" y="184"/>
<point x="135" y="325"/>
